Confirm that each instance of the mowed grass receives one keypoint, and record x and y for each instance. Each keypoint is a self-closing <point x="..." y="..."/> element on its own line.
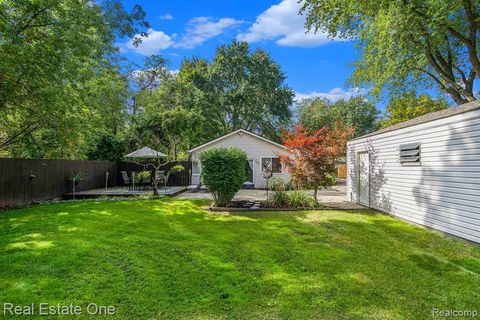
<point x="172" y="259"/>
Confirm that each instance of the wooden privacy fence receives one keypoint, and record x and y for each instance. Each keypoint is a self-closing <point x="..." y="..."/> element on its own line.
<point x="342" y="171"/>
<point x="25" y="181"/>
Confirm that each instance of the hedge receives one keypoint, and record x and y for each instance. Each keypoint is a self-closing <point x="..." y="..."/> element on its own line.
<point x="223" y="172"/>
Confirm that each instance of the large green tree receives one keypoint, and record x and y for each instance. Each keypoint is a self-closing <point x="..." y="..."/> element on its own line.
<point x="165" y="113"/>
<point x="406" y="44"/>
<point x="357" y="113"/>
<point x="240" y="89"/>
<point x="52" y="56"/>
<point x="410" y="106"/>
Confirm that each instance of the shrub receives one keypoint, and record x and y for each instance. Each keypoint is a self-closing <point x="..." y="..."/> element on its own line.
<point x="223" y="172"/>
<point x="300" y="199"/>
<point x="278" y="199"/>
<point x="289" y="186"/>
<point x="276" y="184"/>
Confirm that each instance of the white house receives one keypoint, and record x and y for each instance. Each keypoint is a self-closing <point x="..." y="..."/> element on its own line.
<point x="426" y="170"/>
<point x="260" y="152"/>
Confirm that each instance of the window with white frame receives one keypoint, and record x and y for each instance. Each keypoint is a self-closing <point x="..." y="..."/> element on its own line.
<point x="273" y="164"/>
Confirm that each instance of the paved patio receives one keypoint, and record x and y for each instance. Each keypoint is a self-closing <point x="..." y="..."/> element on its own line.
<point x="122" y="192"/>
<point x="334" y="197"/>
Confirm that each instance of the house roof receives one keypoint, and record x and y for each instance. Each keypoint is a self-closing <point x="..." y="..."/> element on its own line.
<point x="463" y="108"/>
<point x="239" y="131"/>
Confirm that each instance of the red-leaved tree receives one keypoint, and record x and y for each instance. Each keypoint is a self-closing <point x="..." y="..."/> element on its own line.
<point x="312" y="157"/>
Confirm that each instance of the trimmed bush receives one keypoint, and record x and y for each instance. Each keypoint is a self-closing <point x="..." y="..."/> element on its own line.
<point x="223" y="172"/>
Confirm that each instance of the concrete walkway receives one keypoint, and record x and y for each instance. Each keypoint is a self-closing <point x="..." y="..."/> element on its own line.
<point x="334" y="197"/>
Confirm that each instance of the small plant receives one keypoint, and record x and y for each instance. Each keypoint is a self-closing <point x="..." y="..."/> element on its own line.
<point x="177" y="168"/>
<point x="300" y="199"/>
<point x="276" y="184"/>
<point x="278" y="198"/>
<point x="76" y="177"/>
<point x="143" y="175"/>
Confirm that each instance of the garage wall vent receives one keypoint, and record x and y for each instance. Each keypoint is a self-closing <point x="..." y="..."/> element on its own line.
<point x="410" y="153"/>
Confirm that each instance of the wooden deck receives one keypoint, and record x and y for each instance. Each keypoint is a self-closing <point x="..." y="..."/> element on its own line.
<point x="122" y="192"/>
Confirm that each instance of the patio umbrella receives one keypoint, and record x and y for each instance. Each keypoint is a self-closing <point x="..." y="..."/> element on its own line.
<point x="145" y="152"/>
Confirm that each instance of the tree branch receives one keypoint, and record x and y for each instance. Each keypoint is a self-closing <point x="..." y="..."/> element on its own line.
<point x="32" y="18"/>
<point x="17" y="136"/>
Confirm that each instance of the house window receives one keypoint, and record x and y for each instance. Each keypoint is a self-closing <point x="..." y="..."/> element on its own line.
<point x="410" y="154"/>
<point x="273" y="164"/>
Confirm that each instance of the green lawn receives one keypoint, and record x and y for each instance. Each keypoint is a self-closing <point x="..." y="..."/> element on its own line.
<point x="172" y="259"/>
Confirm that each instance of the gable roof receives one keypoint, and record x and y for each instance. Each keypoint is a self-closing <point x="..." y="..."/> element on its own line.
<point x="237" y="132"/>
<point x="463" y="108"/>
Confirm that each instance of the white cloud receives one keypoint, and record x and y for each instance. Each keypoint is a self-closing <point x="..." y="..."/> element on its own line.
<point x="155" y="42"/>
<point x="332" y="95"/>
<point x="166" y="16"/>
<point x="201" y="29"/>
<point x="198" y="31"/>
<point x="282" y="23"/>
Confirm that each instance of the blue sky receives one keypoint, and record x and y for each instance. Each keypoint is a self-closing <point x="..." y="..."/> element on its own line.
<point x="313" y="64"/>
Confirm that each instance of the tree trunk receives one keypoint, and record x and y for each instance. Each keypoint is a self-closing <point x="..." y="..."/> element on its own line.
<point x="315" y="192"/>
<point x="155" y="182"/>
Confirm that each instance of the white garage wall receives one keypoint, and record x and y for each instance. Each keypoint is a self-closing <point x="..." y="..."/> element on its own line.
<point x="444" y="191"/>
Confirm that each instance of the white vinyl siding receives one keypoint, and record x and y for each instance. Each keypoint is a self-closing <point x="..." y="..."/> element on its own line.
<point x="442" y="191"/>
<point x="254" y="147"/>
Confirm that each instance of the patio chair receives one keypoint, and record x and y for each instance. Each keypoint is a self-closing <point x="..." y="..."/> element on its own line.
<point x="126" y="181"/>
<point x="161" y="178"/>
<point x="146" y="183"/>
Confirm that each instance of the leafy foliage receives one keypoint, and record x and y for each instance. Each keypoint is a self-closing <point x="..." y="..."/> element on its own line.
<point x="300" y="199"/>
<point x="312" y="156"/>
<point x="356" y="113"/>
<point x="239" y="89"/>
<point x="278" y="197"/>
<point x="409" y="106"/>
<point x="57" y="70"/>
<point x="406" y="45"/>
<point x="223" y="172"/>
<point x="276" y="184"/>
<point x="107" y="147"/>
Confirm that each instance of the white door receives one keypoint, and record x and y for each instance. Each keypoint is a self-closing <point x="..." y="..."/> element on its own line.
<point x="363" y="179"/>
